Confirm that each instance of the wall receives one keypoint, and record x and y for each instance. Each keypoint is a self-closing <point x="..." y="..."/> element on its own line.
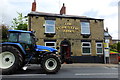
<point x="70" y="29"/>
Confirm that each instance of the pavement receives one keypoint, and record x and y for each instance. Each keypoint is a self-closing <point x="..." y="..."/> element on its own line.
<point x="90" y="65"/>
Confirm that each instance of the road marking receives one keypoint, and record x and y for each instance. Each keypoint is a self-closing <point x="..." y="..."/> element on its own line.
<point x="114" y="68"/>
<point x="78" y="74"/>
<point x="28" y="75"/>
<point x="111" y="67"/>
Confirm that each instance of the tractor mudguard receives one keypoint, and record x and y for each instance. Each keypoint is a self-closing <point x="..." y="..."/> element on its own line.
<point x="16" y="44"/>
<point x="44" y="48"/>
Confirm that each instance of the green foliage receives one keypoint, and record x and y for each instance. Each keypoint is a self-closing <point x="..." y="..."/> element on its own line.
<point x="4" y="32"/>
<point x="20" y="23"/>
<point x="118" y="47"/>
<point x="22" y="27"/>
<point x="113" y="47"/>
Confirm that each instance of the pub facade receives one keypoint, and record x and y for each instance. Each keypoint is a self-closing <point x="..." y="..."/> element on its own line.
<point x="81" y="37"/>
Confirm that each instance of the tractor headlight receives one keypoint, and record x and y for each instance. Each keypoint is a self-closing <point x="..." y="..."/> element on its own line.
<point x="57" y="53"/>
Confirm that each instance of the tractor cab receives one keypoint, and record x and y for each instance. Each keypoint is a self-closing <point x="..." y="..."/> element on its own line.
<point x="21" y="36"/>
<point x="26" y="38"/>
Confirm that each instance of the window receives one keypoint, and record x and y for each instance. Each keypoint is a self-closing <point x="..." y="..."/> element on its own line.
<point x="99" y="48"/>
<point x="50" y="44"/>
<point x="49" y="26"/>
<point x="85" y="28"/>
<point x="13" y="37"/>
<point x="25" y="38"/>
<point x="86" y="48"/>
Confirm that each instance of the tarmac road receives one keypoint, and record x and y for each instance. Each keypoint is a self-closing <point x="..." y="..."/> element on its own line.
<point x="69" y="71"/>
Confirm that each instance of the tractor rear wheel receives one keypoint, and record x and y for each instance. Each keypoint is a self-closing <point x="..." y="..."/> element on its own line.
<point x="11" y="59"/>
<point x="51" y="64"/>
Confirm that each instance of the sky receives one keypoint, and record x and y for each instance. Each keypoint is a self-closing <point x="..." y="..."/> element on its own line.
<point x="101" y="9"/>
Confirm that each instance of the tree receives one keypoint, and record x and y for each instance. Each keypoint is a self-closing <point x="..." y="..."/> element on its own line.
<point x="20" y="23"/>
<point x="4" y="30"/>
<point x="113" y="47"/>
<point x="118" y="47"/>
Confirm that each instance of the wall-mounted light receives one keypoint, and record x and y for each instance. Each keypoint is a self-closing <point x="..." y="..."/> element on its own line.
<point x="36" y="16"/>
<point x="72" y="43"/>
<point x="95" y="21"/>
<point x="43" y="25"/>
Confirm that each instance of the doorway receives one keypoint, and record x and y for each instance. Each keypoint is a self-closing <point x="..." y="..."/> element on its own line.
<point x="65" y="50"/>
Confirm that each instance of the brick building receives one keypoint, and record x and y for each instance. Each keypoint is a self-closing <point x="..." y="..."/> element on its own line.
<point x="84" y="36"/>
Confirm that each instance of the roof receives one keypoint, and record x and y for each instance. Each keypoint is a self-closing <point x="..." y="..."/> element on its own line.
<point x="21" y="31"/>
<point x="106" y="34"/>
<point x="115" y="39"/>
<point x="35" y="13"/>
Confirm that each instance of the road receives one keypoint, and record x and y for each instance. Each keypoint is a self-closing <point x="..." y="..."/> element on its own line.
<point x="68" y="71"/>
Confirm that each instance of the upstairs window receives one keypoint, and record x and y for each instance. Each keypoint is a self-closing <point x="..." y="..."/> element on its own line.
<point x="85" y="28"/>
<point x="50" y="26"/>
<point x="99" y="48"/>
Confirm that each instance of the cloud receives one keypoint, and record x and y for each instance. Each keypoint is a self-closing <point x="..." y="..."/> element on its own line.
<point x="9" y="9"/>
<point x="47" y="6"/>
<point x="91" y="13"/>
<point x="107" y="10"/>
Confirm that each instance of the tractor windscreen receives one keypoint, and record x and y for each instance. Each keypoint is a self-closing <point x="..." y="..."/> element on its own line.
<point x="25" y="38"/>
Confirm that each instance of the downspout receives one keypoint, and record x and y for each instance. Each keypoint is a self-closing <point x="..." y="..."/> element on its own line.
<point x="29" y="25"/>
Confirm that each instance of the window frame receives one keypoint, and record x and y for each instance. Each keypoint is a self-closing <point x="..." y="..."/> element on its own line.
<point x="49" y="25"/>
<point x="52" y="46"/>
<point x="86" y="47"/>
<point x="82" y="27"/>
<point x="99" y="47"/>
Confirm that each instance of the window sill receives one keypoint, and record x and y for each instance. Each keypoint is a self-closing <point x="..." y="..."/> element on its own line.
<point x="50" y="34"/>
<point x="86" y="35"/>
<point x="86" y="54"/>
<point x="99" y="53"/>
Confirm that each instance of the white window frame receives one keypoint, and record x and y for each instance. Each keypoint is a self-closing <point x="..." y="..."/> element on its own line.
<point x="86" y="47"/>
<point x="50" y="25"/>
<point x="99" y="47"/>
<point x="51" y="46"/>
<point x="82" y="28"/>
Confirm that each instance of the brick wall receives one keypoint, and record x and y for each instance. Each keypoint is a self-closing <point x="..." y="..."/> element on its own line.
<point x="70" y="29"/>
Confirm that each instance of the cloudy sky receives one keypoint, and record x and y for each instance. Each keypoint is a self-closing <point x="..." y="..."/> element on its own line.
<point x="103" y="9"/>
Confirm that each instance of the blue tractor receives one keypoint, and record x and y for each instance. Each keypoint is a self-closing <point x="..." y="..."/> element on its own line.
<point x="21" y="50"/>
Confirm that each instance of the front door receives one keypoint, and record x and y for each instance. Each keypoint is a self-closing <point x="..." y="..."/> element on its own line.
<point x="65" y="50"/>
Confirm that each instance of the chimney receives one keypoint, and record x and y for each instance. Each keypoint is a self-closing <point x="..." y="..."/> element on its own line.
<point x="63" y="9"/>
<point x="34" y="6"/>
<point x="106" y="29"/>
